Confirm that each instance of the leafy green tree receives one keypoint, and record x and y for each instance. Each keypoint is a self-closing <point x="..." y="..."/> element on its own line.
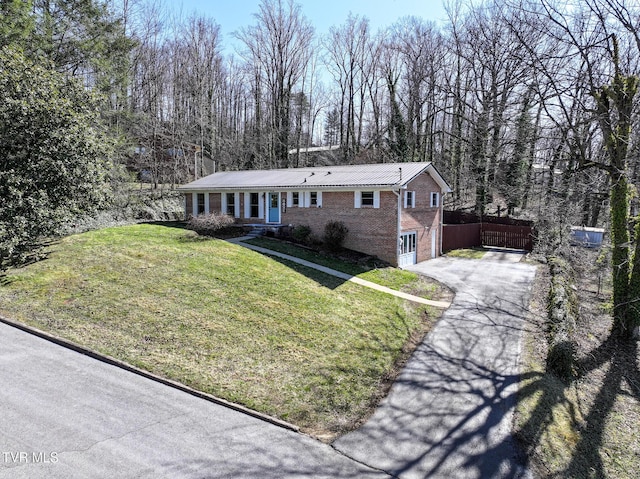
<point x="16" y="22"/>
<point x="81" y="38"/>
<point x="53" y="154"/>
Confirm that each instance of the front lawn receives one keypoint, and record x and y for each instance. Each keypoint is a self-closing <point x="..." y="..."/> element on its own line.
<point x="277" y="337"/>
<point x="388" y="276"/>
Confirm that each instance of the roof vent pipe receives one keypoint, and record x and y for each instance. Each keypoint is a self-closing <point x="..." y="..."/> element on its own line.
<point x="400" y="174"/>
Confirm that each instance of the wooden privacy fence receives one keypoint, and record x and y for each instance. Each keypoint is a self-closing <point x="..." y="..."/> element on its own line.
<point x="471" y="235"/>
<point x="507" y="236"/>
<point x="461" y="236"/>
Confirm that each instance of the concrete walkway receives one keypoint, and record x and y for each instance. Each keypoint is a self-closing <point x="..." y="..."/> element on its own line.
<point x="449" y="414"/>
<point x="347" y="277"/>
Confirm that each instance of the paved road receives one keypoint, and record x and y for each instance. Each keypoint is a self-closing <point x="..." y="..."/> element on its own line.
<point x="65" y="415"/>
<point x="449" y="415"/>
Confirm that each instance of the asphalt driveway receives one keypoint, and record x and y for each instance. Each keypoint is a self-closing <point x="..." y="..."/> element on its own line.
<point x="450" y="413"/>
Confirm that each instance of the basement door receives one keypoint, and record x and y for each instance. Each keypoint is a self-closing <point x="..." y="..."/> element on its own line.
<point x="407" y="254"/>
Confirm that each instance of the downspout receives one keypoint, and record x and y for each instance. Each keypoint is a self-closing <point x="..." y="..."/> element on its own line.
<point x="398" y="224"/>
<point x="441" y="220"/>
<point x="398" y="217"/>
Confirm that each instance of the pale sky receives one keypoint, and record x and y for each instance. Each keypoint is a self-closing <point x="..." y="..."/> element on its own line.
<point x="231" y="15"/>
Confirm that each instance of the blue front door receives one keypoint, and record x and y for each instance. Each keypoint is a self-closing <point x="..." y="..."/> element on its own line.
<point x="274" y="207"/>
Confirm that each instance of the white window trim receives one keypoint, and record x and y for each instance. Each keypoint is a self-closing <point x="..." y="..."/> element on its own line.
<point x="357" y="199"/>
<point x="236" y="204"/>
<point x="290" y="199"/>
<point x="406" y="199"/>
<point x="195" y="203"/>
<point x="437" y="198"/>
<point x="247" y="205"/>
<point x="305" y="199"/>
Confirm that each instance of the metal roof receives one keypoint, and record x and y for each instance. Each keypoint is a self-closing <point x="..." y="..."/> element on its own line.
<point x="377" y="176"/>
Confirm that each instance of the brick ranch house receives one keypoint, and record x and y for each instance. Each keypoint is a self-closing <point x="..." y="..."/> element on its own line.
<point x="393" y="210"/>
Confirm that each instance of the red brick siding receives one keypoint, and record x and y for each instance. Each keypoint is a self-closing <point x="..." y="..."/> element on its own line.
<point x="371" y="230"/>
<point x="423" y="219"/>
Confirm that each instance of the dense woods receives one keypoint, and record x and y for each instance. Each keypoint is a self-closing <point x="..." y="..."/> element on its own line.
<point x="527" y="107"/>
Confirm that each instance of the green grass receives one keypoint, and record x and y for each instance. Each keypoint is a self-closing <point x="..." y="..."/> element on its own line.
<point x="393" y="278"/>
<point x="277" y="337"/>
<point x="468" y="253"/>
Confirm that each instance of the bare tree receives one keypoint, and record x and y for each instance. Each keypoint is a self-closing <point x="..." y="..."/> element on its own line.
<point x="420" y="48"/>
<point x="278" y="48"/>
<point x="602" y="45"/>
<point x="349" y="60"/>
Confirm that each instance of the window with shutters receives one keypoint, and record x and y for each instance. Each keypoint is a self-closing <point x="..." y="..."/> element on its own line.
<point x="409" y="199"/>
<point x="366" y="198"/>
<point x="435" y="199"/>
